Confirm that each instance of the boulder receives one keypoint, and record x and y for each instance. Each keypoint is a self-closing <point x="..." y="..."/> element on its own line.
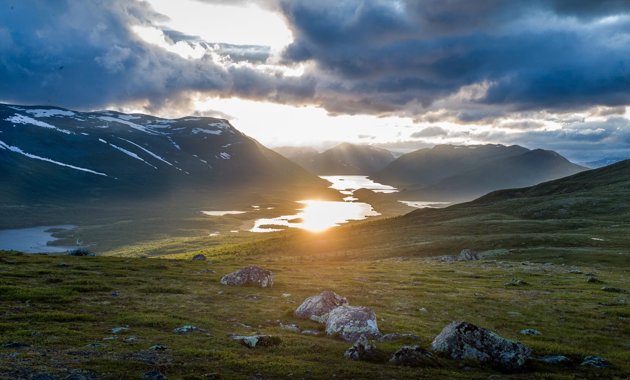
<point x="362" y="350"/>
<point x="252" y="341"/>
<point x="464" y="341"/>
<point x="199" y="257"/>
<point x="187" y="329"/>
<point x="317" y="307"/>
<point x="350" y="322"/>
<point x="251" y="275"/>
<point x="413" y="356"/>
<point x="468" y="255"/>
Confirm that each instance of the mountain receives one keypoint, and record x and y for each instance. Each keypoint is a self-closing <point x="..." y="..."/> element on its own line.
<point x="52" y="153"/>
<point x="605" y="161"/>
<point x="348" y="159"/>
<point x="456" y="173"/>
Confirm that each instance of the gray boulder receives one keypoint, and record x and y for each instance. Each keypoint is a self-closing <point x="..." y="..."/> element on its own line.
<point x="464" y="341"/>
<point x="595" y="362"/>
<point x="187" y="329"/>
<point x="350" y="322"/>
<point x="199" y="257"/>
<point x="251" y="275"/>
<point x="413" y="356"/>
<point x="468" y="255"/>
<point x="362" y="350"/>
<point x="317" y="307"/>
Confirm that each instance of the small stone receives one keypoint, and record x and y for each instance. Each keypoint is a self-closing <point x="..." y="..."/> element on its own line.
<point x="575" y="271"/>
<point x="595" y="362"/>
<point x="158" y="347"/>
<point x="468" y="255"/>
<point x="187" y="329"/>
<point x="397" y="336"/>
<point x="413" y="356"/>
<point x="115" y="294"/>
<point x="199" y="257"/>
<point x="15" y="345"/>
<point x="251" y="275"/>
<point x="311" y="332"/>
<point x="258" y="340"/>
<point x="612" y="290"/>
<point x="153" y="375"/>
<point x="530" y="332"/>
<point x="362" y="350"/>
<point x="516" y="282"/>
<point x="131" y="339"/>
<point x="118" y="330"/>
<point x="423" y="310"/>
<point x="553" y="359"/>
<point x="290" y="327"/>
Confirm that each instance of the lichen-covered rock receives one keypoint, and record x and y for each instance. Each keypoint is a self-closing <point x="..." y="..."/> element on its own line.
<point x="464" y="341"/>
<point x="362" y="350"/>
<point x="199" y="257"/>
<point x="252" y="341"/>
<point x="413" y="356"/>
<point x="317" y="307"/>
<point x="251" y="275"/>
<point x="468" y="255"/>
<point x="350" y="322"/>
<point x="187" y="329"/>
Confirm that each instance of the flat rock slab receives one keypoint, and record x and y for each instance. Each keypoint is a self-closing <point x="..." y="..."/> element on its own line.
<point x="464" y="341"/>
<point x="350" y="322"/>
<point x="251" y="275"/>
<point x="316" y="308"/>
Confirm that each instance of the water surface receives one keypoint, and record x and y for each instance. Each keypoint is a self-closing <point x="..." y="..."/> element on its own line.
<point x="34" y="239"/>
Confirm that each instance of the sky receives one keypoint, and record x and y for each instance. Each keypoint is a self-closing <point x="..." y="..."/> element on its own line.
<point x="552" y="74"/>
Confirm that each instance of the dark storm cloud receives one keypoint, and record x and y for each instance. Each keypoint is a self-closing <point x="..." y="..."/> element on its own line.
<point x="84" y="54"/>
<point x="532" y="55"/>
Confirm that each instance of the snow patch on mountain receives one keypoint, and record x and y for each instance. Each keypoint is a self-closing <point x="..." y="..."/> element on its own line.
<point x="151" y="153"/>
<point x="49" y="112"/>
<point x="196" y="131"/>
<point x="35" y="157"/>
<point x="225" y="156"/>
<point x="21" y="119"/>
<point x="129" y="124"/>
<point x="127" y="152"/>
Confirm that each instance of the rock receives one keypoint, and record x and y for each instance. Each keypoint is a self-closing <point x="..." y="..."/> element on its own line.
<point x="153" y="375"/>
<point x="311" y="332"/>
<point x="251" y="275"/>
<point x="516" y="282"/>
<point x="290" y="327"/>
<point x="397" y="336"/>
<point x="350" y="322"/>
<point x="158" y="347"/>
<point x="199" y="257"/>
<point x="317" y="307"/>
<point x="413" y="356"/>
<point x="131" y="339"/>
<point x="362" y="350"/>
<point x="43" y="376"/>
<point x="186" y="329"/>
<point x="464" y="341"/>
<point x="575" y="271"/>
<point x="447" y="259"/>
<point x="594" y="280"/>
<point x="530" y="332"/>
<point x="118" y="330"/>
<point x="595" y="362"/>
<point x="258" y="340"/>
<point x="15" y="345"/>
<point x="468" y="255"/>
<point x="553" y="359"/>
<point x="612" y="290"/>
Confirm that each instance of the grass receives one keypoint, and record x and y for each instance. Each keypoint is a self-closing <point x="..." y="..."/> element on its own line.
<point x="154" y="296"/>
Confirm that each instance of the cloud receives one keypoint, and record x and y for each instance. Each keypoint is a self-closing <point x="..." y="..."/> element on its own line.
<point x="430" y="132"/>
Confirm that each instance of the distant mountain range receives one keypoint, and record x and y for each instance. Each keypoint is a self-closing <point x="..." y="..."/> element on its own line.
<point x="457" y="173"/>
<point x="343" y="159"/>
<point x="52" y="153"/>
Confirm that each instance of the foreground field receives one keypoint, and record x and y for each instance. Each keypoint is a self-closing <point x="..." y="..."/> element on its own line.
<point x="64" y="308"/>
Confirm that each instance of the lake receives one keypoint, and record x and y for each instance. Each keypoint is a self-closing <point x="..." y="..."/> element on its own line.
<point x="318" y="215"/>
<point x="34" y="239"/>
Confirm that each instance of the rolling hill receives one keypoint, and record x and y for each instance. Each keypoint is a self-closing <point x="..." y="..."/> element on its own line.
<point x="343" y="159"/>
